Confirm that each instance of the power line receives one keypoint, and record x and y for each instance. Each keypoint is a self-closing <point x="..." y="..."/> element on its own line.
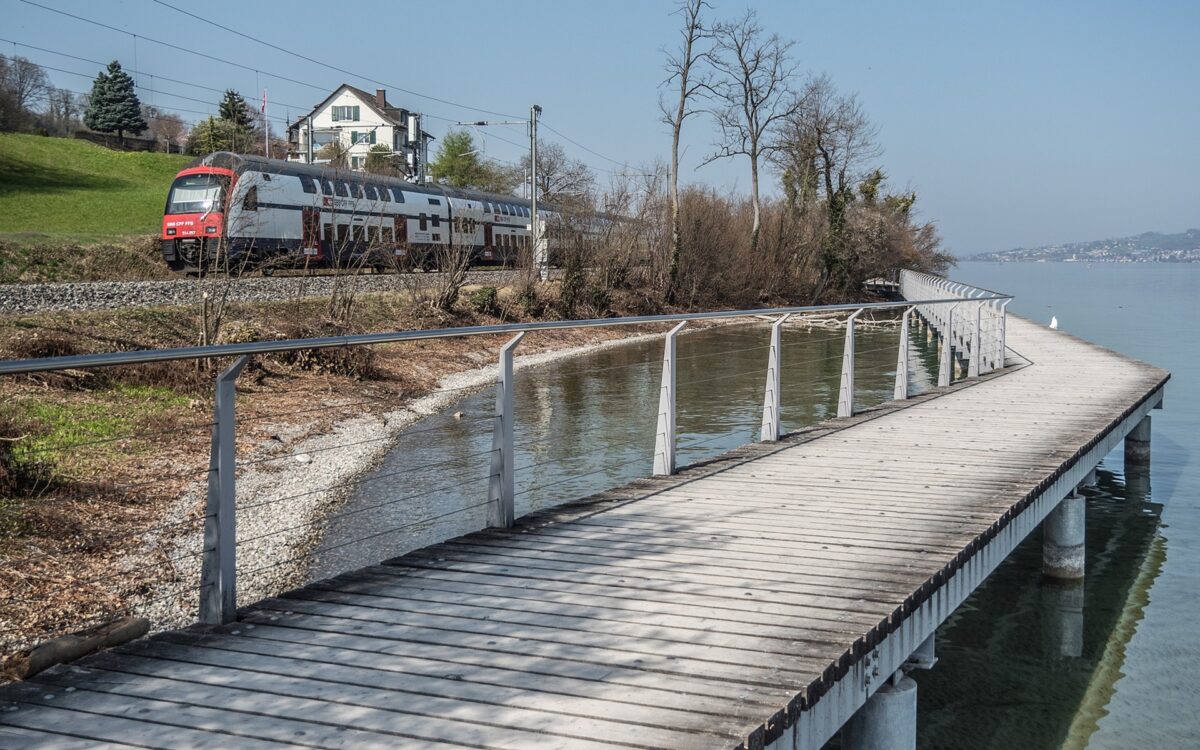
<point x="130" y="70"/>
<point x="333" y="67"/>
<point x="568" y="138"/>
<point x="173" y="46"/>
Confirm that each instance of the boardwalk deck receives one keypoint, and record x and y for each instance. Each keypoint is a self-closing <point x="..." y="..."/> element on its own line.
<point x="755" y="600"/>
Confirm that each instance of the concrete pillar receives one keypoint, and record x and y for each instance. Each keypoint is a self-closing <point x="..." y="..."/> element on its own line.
<point x="1137" y="445"/>
<point x="1137" y="462"/>
<point x="888" y="721"/>
<point x="1063" y="537"/>
<point x="1062" y="618"/>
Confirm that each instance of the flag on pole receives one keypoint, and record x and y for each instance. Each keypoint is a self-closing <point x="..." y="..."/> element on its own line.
<point x="264" y="102"/>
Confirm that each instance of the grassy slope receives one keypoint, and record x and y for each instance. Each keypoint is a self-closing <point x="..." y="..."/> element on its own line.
<point x="60" y="186"/>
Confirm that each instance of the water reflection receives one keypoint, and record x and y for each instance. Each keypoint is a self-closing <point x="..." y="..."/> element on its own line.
<point x="1031" y="663"/>
<point x="587" y="424"/>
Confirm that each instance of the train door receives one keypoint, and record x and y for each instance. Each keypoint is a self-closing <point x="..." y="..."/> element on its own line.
<point x="310" y="237"/>
<point x="401" y="250"/>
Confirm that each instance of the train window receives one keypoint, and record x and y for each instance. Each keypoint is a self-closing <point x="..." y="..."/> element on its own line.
<point x="370" y="192"/>
<point x="343" y="188"/>
<point x="388" y="236"/>
<point x="307" y="183"/>
<point x="383" y="193"/>
<point x="343" y="232"/>
<point x="326" y="186"/>
<point x="250" y="202"/>
<point x="424" y="222"/>
<point x="435" y="201"/>
<point x="327" y="232"/>
<point x="373" y="234"/>
<point x="398" y="194"/>
<point x="437" y="220"/>
<point x="357" y="190"/>
<point x="356" y="233"/>
<point x="266" y="177"/>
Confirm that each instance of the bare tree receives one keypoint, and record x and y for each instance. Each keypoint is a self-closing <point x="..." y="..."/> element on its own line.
<point x="561" y="179"/>
<point x="166" y="128"/>
<point x="753" y="90"/>
<point x="825" y="146"/>
<point x="24" y="80"/>
<point x="691" y="84"/>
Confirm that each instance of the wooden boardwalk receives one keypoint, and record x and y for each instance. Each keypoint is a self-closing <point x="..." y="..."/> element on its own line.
<point x="754" y="601"/>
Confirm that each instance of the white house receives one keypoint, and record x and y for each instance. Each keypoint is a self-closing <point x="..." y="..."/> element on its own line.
<point x="359" y="121"/>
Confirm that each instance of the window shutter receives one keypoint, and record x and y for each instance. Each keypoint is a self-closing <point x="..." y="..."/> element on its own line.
<point x="353" y="137"/>
<point x="372" y="136"/>
<point x="356" y="110"/>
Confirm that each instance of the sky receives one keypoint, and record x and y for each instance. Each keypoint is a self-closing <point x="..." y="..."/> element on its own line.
<point x="1016" y="123"/>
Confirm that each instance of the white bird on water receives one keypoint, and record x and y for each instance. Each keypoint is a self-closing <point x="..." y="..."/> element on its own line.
<point x="1053" y="322"/>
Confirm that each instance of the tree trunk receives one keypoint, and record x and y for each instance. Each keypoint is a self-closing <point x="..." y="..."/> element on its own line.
<point x="754" y="202"/>
<point x="676" y="239"/>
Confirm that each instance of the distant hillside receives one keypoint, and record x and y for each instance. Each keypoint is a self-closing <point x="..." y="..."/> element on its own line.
<point x="1150" y="247"/>
<point x="64" y="187"/>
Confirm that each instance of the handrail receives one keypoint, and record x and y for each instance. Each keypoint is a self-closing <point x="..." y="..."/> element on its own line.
<point x="109" y="359"/>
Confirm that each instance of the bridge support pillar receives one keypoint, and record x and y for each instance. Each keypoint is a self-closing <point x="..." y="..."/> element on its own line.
<point x="1137" y="444"/>
<point x="1063" y="539"/>
<point x="1062" y="612"/>
<point x="1137" y="462"/>
<point x="888" y="720"/>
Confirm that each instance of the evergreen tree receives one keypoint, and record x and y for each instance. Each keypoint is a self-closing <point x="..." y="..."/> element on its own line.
<point x="114" y="106"/>
<point x="233" y="109"/>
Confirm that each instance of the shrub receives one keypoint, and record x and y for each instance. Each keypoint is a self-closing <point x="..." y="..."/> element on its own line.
<point x="359" y="362"/>
<point x="485" y="300"/>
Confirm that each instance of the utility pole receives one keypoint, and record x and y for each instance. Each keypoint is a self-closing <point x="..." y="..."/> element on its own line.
<point x="535" y="228"/>
<point x="309" y="147"/>
<point x="535" y="233"/>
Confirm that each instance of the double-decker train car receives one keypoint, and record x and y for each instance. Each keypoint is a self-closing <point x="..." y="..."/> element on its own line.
<point x="229" y="213"/>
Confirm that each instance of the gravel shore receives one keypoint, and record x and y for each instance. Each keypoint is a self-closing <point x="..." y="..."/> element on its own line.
<point x="16" y="299"/>
<point x="282" y="502"/>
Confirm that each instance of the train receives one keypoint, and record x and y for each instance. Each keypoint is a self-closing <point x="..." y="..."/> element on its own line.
<point x="231" y="213"/>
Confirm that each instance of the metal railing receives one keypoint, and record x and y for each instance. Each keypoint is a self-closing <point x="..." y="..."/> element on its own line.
<point x="935" y="302"/>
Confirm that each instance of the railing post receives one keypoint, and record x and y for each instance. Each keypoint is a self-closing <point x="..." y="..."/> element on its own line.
<point x="901" y="391"/>
<point x="976" y="350"/>
<point x="1002" y="344"/>
<point x="664" y="440"/>
<point x="945" y="365"/>
<point x="501" y="508"/>
<point x="218" y="569"/>
<point x="846" y="395"/>
<point x="772" y="396"/>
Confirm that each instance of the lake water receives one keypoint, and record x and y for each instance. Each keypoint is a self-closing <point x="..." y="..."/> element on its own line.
<point x="588" y="424"/>
<point x="1003" y="679"/>
<point x="1008" y="677"/>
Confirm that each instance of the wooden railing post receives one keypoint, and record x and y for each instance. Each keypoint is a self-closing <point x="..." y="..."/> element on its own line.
<point x="218" y="568"/>
<point x="900" y="393"/>
<point x="664" y="440"/>
<point x="501" y="507"/>
<point x="772" y="396"/>
<point x="846" y="394"/>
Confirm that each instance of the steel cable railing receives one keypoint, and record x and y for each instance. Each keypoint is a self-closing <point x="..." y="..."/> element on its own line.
<point x="210" y="564"/>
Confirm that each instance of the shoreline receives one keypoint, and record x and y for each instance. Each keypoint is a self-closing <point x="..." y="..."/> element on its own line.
<point x="281" y="518"/>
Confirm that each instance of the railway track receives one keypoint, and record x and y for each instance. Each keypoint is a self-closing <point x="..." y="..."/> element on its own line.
<point x="19" y="299"/>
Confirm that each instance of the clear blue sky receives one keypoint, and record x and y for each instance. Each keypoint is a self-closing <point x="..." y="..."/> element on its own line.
<point x="1016" y="123"/>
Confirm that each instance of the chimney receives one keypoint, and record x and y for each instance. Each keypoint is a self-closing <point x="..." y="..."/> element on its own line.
<point x="381" y="98"/>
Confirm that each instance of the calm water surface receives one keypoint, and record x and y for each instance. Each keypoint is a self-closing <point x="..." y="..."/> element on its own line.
<point x="587" y="424"/>
<point x="1029" y="665"/>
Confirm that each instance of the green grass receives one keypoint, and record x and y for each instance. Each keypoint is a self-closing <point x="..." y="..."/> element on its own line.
<point x="58" y="428"/>
<point x="65" y="188"/>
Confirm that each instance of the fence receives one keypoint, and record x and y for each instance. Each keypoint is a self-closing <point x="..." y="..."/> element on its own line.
<point x="967" y="320"/>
